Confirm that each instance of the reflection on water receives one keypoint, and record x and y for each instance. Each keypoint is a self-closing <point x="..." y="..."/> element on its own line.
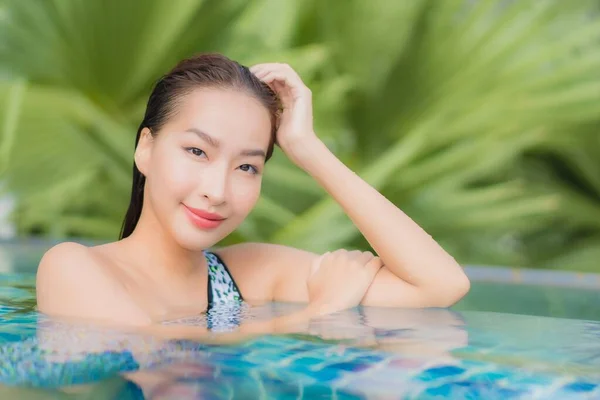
<point x="361" y="353"/>
<point x="17" y="294"/>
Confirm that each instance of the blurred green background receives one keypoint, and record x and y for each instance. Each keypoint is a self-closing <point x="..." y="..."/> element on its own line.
<point x="480" y="119"/>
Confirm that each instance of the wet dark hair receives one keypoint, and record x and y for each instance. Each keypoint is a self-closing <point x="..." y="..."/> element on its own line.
<point x="209" y="70"/>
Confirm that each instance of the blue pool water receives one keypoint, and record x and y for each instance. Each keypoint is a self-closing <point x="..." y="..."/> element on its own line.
<point x="373" y="353"/>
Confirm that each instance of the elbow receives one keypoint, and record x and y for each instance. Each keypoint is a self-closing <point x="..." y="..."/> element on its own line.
<point x="454" y="292"/>
<point x="462" y="288"/>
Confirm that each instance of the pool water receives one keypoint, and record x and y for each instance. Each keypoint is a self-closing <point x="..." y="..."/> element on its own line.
<point x="368" y="352"/>
<point x="527" y="299"/>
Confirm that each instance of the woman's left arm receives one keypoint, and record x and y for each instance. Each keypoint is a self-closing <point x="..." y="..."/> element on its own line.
<point x="407" y="251"/>
<point x="414" y="262"/>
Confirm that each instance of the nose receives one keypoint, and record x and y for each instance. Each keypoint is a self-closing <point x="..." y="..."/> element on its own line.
<point x="214" y="186"/>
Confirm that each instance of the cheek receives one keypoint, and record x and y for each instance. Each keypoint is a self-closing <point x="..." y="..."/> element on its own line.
<point x="246" y="194"/>
<point x="171" y="175"/>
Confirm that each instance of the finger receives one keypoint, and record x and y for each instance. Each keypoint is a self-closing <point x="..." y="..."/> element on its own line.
<point x="316" y="264"/>
<point x="263" y="69"/>
<point x="374" y="266"/>
<point x="285" y="82"/>
<point x="260" y="70"/>
<point x="271" y="76"/>
<point x="366" y="256"/>
<point x="260" y="74"/>
<point x="338" y="252"/>
<point x="276" y="67"/>
<point x="271" y="66"/>
<point x="355" y="255"/>
<point x="263" y="66"/>
<point x="283" y="74"/>
<point x="278" y="86"/>
<point x="275" y="80"/>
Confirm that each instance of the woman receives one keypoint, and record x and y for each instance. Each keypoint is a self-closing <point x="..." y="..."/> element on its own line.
<point x="209" y="128"/>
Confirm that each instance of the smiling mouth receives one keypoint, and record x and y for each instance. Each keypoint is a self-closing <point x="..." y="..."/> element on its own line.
<point x="203" y="219"/>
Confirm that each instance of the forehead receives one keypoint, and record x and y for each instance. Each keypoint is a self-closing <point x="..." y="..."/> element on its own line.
<point x="224" y="112"/>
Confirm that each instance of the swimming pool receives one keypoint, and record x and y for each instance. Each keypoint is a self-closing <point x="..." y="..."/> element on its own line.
<point x="359" y="353"/>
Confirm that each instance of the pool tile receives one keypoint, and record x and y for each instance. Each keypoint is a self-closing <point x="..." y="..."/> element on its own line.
<point x="473" y="390"/>
<point x="487" y="377"/>
<point x="434" y="373"/>
<point x="350" y="366"/>
<point x="371" y="358"/>
<point x="505" y="359"/>
<point x="307" y="361"/>
<point x="580" y="387"/>
<point x="317" y="391"/>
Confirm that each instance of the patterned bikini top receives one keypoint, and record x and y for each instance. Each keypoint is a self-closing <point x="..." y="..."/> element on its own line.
<point x="221" y="286"/>
<point x="226" y="307"/>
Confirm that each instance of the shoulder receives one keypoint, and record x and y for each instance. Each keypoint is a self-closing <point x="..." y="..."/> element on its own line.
<point x="280" y="270"/>
<point x="59" y="263"/>
<point x="68" y="260"/>
<point x="63" y="269"/>
<point x="72" y="281"/>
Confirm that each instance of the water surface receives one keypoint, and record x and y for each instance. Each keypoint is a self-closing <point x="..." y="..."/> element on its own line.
<point x="361" y="353"/>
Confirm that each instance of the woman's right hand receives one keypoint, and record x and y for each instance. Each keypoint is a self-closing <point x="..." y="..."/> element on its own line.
<point x="340" y="279"/>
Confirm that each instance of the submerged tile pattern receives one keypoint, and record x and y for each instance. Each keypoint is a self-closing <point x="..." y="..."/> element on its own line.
<point x="364" y="353"/>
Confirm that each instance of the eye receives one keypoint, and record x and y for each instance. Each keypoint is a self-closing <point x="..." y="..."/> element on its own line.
<point x="249" y="168"/>
<point x="195" y="151"/>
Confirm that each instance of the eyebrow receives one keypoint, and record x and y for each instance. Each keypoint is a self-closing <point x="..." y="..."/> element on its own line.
<point x="254" y="153"/>
<point x="215" y="143"/>
<point x="205" y="136"/>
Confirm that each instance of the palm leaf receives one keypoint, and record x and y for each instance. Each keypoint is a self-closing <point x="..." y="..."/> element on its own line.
<point x="478" y="119"/>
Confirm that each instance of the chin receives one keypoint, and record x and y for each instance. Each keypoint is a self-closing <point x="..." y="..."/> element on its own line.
<point x="193" y="239"/>
<point x="196" y="241"/>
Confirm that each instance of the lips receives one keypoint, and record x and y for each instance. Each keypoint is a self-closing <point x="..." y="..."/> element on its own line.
<point x="203" y="219"/>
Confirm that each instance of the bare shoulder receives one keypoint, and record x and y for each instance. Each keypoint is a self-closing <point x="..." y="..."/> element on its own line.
<point x="62" y="271"/>
<point x="59" y="263"/>
<point x="266" y="271"/>
<point x="72" y="282"/>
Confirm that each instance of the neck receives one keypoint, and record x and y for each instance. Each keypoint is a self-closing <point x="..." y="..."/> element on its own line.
<point x="154" y="247"/>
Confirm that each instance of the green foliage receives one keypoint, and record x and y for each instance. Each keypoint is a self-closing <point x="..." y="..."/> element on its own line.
<point x="478" y="119"/>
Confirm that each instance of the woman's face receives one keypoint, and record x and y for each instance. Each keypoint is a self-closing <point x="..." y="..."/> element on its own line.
<point x="204" y="167"/>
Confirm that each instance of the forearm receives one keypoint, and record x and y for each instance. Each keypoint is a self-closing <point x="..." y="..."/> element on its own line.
<point x="405" y="248"/>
